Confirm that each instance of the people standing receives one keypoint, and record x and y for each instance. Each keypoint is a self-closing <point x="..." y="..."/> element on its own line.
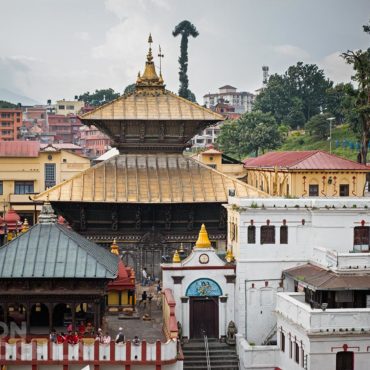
<point x="106" y="338"/>
<point x="143" y="299"/>
<point x="120" y="338"/>
<point x="144" y="274"/>
<point x="53" y="336"/>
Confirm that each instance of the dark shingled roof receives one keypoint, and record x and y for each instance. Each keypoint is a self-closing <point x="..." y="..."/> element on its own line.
<point x="318" y="278"/>
<point x="54" y="251"/>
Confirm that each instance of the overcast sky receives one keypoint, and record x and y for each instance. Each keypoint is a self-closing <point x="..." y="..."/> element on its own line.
<point x="61" y="48"/>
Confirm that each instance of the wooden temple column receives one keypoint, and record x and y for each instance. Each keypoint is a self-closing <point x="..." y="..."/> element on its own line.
<point x="96" y="315"/>
<point x="50" y="309"/>
<point x="73" y="311"/>
<point x="5" y="308"/>
<point x="28" y="318"/>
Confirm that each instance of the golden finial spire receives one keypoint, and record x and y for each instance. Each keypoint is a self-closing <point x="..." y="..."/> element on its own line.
<point x="176" y="257"/>
<point x="25" y="226"/>
<point x="114" y="247"/>
<point x="229" y="256"/>
<point x="203" y="240"/>
<point x="149" y="80"/>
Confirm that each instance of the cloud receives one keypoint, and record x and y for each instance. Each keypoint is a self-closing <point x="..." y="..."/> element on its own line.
<point x="291" y="51"/>
<point x="336" y="68"/>
<point x="82" y="35"/>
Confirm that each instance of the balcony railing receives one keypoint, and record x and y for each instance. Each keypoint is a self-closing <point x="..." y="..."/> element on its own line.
<point x="291" y="306"/>
<point x="41" y="351"/>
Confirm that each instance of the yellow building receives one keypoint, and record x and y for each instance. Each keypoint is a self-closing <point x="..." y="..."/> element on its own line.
<point x="26" y="170"/>
<point x="306" y="174"/>
<point x="221" y="162"/>
<point x="66" y="107"/>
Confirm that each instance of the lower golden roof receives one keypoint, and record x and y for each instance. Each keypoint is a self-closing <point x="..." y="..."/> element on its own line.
<point x="149" y="178"/>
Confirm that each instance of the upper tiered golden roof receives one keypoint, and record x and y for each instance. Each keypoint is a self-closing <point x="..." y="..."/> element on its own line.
<point x="151" y="101"/>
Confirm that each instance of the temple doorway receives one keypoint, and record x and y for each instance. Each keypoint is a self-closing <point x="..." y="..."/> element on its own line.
<point x="203" y="317"/>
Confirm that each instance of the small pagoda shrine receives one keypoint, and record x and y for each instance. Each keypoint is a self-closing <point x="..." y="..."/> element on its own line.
<point x="10" y="225"/>
<point x="51" y="277"/>
<point x="121" y="291"/>
<point x="151" y="197"/>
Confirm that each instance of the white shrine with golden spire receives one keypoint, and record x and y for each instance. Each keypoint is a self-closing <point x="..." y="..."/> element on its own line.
<point x="203" y="286"/>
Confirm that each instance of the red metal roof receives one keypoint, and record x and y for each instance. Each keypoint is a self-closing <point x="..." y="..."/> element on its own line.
<point x="19" y="148"/>
<point x="303" y="160"/>
<point x="123" y="280"/>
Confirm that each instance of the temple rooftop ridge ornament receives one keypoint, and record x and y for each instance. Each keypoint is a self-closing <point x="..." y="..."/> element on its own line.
<point x="149" y="81"/>
<point x="47" y="215"/>
<point x="114" y="247"/>
<point x="203" y="240"/>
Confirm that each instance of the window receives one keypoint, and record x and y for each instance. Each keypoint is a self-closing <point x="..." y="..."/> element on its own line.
<point x="296" y="357"/>
<point x="70" y="107"/>
<point x="302" y="357"/>
<point x="49" y="175"/>
<point x="284" y="234"/>
<point x="361" y="235"/>
<point x="251" y="234"/>
<point x="61" y="107"/>
<point x="1" y="188"/>
<point x="313" y="190"/>
<point x="23" y="187"/>
<point x="290" y="348"/>
<point x="267" y="234"/>
<point x="344" y="190"/>
<point x="282" y="341"/>
<point x="344" y="361"/>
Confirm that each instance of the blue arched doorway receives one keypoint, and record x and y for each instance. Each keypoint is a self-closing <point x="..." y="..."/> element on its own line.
<point x="204" y="296"/>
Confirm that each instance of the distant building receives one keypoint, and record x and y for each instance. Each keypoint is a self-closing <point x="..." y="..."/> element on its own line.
<point x="221" y="162"/>
<point x="241" y="101"/>
<point x="93" y="141"/>
<point x="65" y="128"/>
<point x="10" y="123"/>
<point x="26" y="169"/>
<point x="66" y="107"/>
<point x="311" y="173"/>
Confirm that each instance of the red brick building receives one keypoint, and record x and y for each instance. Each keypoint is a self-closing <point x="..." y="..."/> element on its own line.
<point x="94" y="142"/>
<point x="10" y="122"/>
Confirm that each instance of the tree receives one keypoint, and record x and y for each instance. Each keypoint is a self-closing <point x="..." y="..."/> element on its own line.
<point x="275" y="98"/>
<point x="6" y="104"/>
<point x="295" y="96"/>
<point x="360" y="60"/>
<point x="185" y="29"/>
<point x="308" y="83"/>
<point x="318" y="126"/>
<point x="251" y="133"/>
<point x="99" y="97"/>
<point x="129" y="89"/>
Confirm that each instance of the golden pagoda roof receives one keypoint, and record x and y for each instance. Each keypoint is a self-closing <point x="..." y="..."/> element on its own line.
<point x="149" y="178"/>
<point x="151" y="101"/>
<point x="163" y="105"/>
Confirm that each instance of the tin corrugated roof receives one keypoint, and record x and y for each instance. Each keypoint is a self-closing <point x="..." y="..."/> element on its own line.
<point x="303" y="160"/>
<point x="318" y="278"/>
<point x="19" y="148"/>
<point x="54" y="251"/>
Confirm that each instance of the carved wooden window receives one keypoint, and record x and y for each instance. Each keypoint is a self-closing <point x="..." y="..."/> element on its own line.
<point x="284" y="234"/>
<point x="361" y="235"/>
<point x="267" y="234"/>
<point x="251" y="234"/>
